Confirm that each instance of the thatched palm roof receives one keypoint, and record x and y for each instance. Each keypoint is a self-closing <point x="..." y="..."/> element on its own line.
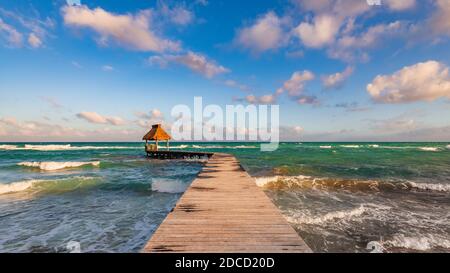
<point x="157" y="133"/>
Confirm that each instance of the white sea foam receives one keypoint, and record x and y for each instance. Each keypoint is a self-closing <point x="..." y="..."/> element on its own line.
<point x="331" y="216"/>
<point x="429" y="149"/>
<point x="179" y="147"/>
<point x="8" y="147"/>
<point x="47" y="147"/>
<point x="65" y="147"/>
<point x="448" y="147"/>
<point x="374" y="145"/>
<point x="430" y="186"/>
<point x="350" y="146"/>
<point x="424" y="243"/>
<point x="168" y="185"/>
<point x="16" y="186"/>
<point x="264" y="180"/>
<point x="53" y="166"/>
<point x="325" y="147"/>
<point x="28" y="184"/>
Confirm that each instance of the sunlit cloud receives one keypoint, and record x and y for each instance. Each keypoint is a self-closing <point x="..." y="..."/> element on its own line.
<point x="194" y="61"/>
<point x="265" y="34"/>
<point x="130" y="31"/>
<point x="96" y="118"/>
<point x="337" y="80"/>
<point x="425" y="81"/>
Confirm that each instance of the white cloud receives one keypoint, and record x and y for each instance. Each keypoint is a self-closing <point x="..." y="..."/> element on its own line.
<point x="94" y="117"/>
<point x="425" y="81"/>
<point x="11" y="35"/>
<point x="177" y="14"/>
<point x="439" y="22"/>
<point x="349" y="45"/>
<point x="296" y="84"/>
<point x="322" y="31"/>
<point x="131" y="31"/>
<point x="267" y="33"/>
<point x="399" y="5"/>
<point x="146" y="120"/>
<point x="19" y="27"/>
<point x="337" y="80"/>
<point x="265" y="99"/>
<point x="34" y="40"/>
<point x="194" y="61"/>
<point x="32" y="129"/>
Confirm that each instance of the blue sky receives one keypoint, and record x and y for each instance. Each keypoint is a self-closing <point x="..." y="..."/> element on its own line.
<point x="340" y="70"/>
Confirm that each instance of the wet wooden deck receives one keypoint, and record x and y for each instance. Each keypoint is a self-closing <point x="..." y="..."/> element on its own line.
<point x="224" y="211"/>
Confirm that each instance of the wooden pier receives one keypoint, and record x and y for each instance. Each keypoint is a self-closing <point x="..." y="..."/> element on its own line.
<point x="224" y="211"/>
<point x="161" y="154"/>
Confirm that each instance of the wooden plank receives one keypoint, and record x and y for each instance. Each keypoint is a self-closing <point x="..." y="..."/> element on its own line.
<point x="224" y="211"/>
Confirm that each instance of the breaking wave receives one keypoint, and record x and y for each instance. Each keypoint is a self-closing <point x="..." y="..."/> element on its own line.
<point x="56" y="185"/>
<point x="168" y="185"/>
<point x="308" y="182"/>
<point x="350" y="146"/>
<point x="53" y="166"/>
<point x="65" y="147"/>
<point x="429" y="149"/>
<point x="325" y="147"/>
<point x="430" y="186"/>
<point x="425" y="243"/>
<point x="332" y="216"/>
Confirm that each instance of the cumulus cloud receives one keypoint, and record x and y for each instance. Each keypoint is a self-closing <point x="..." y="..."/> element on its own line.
<point x="439" y="22"/>
<point x="96" y="118"/>
<point x="296" y="84"/>
<point x="265" y="34"/>
<point x="337" y="80"/>
<point x="194" y="61"/>
<point x="425" y="81"/>
<point x="153" y="114"/>
<point x="131" y="31"/>
<point x="351" y="46"/>
<point x="147" y="119"/>
<point x="322" y="31"/>
<point x="295" y="88"/>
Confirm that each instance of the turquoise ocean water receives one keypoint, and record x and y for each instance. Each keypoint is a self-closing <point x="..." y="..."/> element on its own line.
<point x="340" y="197"/>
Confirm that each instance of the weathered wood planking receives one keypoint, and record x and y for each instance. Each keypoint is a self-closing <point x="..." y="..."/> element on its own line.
<point x="224" y="211"/>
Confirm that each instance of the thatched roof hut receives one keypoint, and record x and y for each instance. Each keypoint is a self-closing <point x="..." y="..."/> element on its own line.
<point x="157" y="133"/>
